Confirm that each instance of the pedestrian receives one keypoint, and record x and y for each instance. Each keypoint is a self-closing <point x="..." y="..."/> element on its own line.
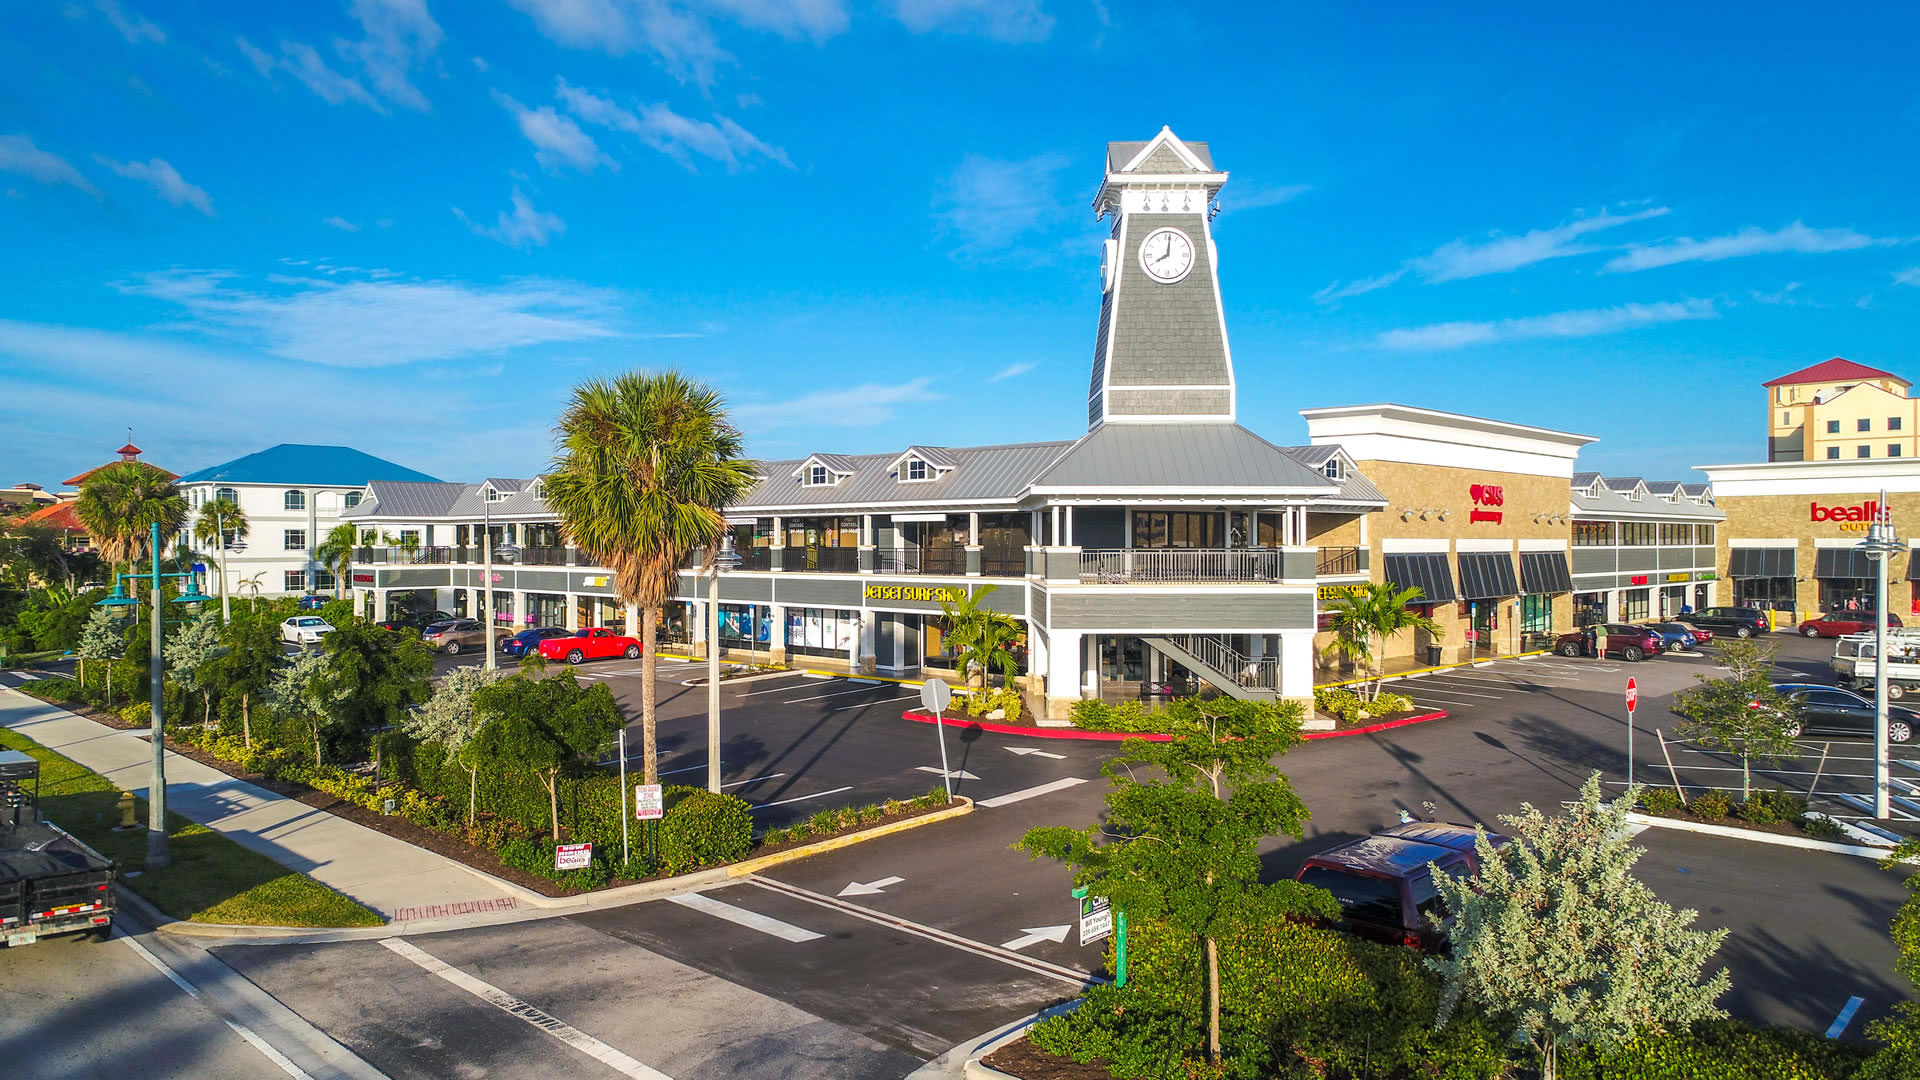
<point x="1600" y="640"/>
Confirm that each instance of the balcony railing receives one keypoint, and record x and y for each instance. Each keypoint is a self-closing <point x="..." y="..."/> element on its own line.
<point x="1338" y="560"/>
<point x="1178" y="565"/>
<point x="822" y="560"/>
<point x="546" y="556"/>
<point x="426" y="556"/>
<point x="896" y="561"/>
<point x="951" y="561"/>
<point x="755" y="558"/>
<point x="1001" y="564"/>
<point x="1261" y="673"/>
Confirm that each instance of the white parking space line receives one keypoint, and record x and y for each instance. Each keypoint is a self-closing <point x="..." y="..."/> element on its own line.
<point x="737" y="783"/>
<point x="1846" y="1016"/>
<point x="1450" y="689"/>
<point x="752" y="920"/>
<point x="802" y="798"/>
<point x="870" y="704"/>
<point x="239" y="1029"/>
<point x="1424" y="696"/>
<point x="513" y="1006"/>
<point x="1031" y="793"/>
<point x="777" y="690"/>
<point x="838" y="693"/>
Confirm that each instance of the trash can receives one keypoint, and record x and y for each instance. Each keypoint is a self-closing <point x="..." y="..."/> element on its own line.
<point x="1433" y="656"/>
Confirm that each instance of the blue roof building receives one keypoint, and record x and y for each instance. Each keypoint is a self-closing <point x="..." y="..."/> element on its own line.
<point x="305" y="466"/>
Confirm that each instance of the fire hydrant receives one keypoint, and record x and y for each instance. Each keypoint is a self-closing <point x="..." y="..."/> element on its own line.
<point x="126" y="812"/>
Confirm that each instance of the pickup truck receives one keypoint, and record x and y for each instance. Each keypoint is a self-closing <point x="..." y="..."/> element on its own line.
<point x="1855" y="662"/>
<point x="50" y="882"/>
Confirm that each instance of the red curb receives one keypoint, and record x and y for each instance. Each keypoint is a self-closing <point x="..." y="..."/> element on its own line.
<point x="1422" y="718"/>
<point x="1036" y="733"/>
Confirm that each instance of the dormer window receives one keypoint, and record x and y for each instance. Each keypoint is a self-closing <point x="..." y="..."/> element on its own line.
<point x="1334" y="469"/>
<point x="351" y="500"/>
<point x="917" y="470"/>
<point x="817" y="476"/>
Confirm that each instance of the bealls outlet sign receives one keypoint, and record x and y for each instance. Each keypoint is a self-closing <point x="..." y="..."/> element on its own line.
<point x="1850" y="518"/>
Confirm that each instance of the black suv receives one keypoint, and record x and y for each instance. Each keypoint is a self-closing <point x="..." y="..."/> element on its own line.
<point x="1741" y="622"/>
<point x="413" y="620"/>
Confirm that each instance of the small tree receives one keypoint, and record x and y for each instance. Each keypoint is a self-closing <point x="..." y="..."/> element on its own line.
<point x="1556" y="934"/>
<point x="1185" y="818"/>
<point x="387" y="671"/>
<point x="305" y="691"/>
<point x="1741" y="713"/>
<point x="1376" y="612"/>
<point x="449" y="720"/>
<point x="101" y="639"/>
<point x="981" y="638"/>
<point x="546" y="726"/>
<point x="190" y="655"/>
<point x="336" y="554"/>
<point x="253" y="659"/>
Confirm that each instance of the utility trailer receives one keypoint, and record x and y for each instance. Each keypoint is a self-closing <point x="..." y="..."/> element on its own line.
<point x="50" y="882"/>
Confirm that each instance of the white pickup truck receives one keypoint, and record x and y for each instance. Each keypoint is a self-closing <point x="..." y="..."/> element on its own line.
<point x="1855" y="662"/>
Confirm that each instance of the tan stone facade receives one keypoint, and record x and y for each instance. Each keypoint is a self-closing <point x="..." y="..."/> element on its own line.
<point x="1782" y="517"/>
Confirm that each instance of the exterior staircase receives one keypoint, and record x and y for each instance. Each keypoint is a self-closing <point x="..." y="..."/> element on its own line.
<point x="1231" y="672"/>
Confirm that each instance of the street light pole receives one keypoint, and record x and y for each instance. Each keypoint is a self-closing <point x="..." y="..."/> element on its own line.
<point x="1880" y="545"/>
<point x="157" y="855"/>
<point x="722" y="562"/>
<point x="220" y="531"/>
<point x="485" y="604"/>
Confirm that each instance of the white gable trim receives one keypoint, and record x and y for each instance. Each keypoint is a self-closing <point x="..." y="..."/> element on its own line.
<point x="1168" y="139"/>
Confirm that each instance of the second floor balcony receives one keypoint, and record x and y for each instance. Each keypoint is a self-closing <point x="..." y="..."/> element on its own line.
<point x="1179" y="566"/>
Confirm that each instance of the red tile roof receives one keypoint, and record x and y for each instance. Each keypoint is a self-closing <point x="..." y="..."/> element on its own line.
<point x="1834" y="370"/>
<point x="60" y="516"/>
<point x="76" y="481"/>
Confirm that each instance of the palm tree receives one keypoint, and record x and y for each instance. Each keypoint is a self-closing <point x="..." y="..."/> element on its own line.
<point x="252" y="586"/>
<point x="1381" y="610"/>
<point x="120" y="504"/>
<point x="645" y="465"/>
<point x="980" y="638"/>
<point x="336" y="554"/>
<point x="221" y="522"/>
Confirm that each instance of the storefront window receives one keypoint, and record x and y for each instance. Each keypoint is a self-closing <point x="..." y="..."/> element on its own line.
<point x="1636" y="604"/>
<point x="822" y="631"/>
<point x="1703" y="535"/>
<point x="460" y="603"/>
<point x="741" y="624"/>
<point x="1847" y="594"/>
<point x="1672" y="599"/>
<point x="1589" y="608"/>
<point x="1536" y="614"/>
<point x="1636" y="534"/>
<point x="1765" y="593"/>
<point x="1593" y="534"/>
<point x="1161" y="529"/>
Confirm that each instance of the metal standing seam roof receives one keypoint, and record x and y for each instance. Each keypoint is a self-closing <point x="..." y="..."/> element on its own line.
<point x="417" y="501"/>
<point x="979" y="474"/>
<point x="1202" y="457"/>
<point x="302" y="465"/>
<point x="1609" y="502"/>
<point x="1355" y="488"/>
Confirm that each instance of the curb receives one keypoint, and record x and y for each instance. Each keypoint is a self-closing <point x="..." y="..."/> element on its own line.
<point x="963" y="1059"/>
<point x="1398" y="675"/>
<point x="821" y="847"/>
<point x="1033" y="732"/>
<point x="1731" y="833"/>
<point x="1419" y="718"/>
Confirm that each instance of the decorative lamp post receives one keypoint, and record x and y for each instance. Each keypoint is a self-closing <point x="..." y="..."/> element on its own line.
<point x="726" y="560"/>
<point x="238" y="547"/>
<point x="1879" y="546"/>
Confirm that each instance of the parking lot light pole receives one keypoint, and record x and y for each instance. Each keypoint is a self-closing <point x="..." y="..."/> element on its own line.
<point x="722" y="562"/>
<point x="1879" y="546"/>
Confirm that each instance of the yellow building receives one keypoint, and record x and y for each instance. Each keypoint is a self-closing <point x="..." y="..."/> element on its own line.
<point x="1839" y="410"/>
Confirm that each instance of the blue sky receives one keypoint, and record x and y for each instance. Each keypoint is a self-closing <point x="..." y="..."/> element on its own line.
<point x="410" y="226"/>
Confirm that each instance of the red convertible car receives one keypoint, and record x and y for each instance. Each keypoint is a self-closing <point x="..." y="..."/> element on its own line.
<point x="590" y="643"/>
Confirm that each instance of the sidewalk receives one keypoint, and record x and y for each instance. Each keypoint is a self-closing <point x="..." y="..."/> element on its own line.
<point x="385" y="874"/>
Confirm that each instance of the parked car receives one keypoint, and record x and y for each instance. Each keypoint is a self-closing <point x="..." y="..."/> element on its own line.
<point x="310" y="602"/>
<point x="1445" y="834"/>
<point x="1384" y="885"/>
<point x="414" y="620"/>
<point x="1677" y="637"/>
<point x="529" y="640"/>
<point x="1829" y="710"/>
<point x="590" y="643"/>
<point x="457" y="635"/>
<point x="304" y="630"/>
<point x="1626" y="642"/>
<point x="1741" y="622"/>
<point x="1842" y="623"/>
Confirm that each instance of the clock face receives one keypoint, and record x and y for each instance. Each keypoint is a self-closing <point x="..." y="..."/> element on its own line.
<point x="1109" y="262"/>
<point x="1166" y="255"/>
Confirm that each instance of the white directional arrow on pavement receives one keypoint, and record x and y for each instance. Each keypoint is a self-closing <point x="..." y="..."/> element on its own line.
<point x="1033" y="751"/>
<point x="957" y="774"/>
<point x="870" y="887"/>
<point x="1034" y="935"/>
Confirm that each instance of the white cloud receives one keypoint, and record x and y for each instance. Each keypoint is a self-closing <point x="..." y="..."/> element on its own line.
<point x="480" y="65"/>
<point x="556" y="139"/>
<point x="857" y="406"/>
<point x="1013" y="371"/>
<point x="1336" y="292"/>
<point x="373" y="323"/>
<point x="748" y="101"/>
<point x="18" y="155"/>
<point x="1909" y="276"/>
<point x="679" y="35"/>
<point x="525" y="227"/>
<point x="1563" y="324"/>
<point x="676" y="136"/>
<point x="990" y="204"/>
<point x="341" y="223"/>
<point x="1783" y="297"/>
<point x="1503" y="254"/>
<point x="1797" y="238"/>
<point x="130" y="23"/>
<point x="1255" y="196"/>
<point x="165" y="181"/>
<point x="397" y="36"/>
<point x="1012" y="21"/>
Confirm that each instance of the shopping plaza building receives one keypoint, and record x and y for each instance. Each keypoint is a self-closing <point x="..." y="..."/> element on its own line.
<point x="1166" y="546"/>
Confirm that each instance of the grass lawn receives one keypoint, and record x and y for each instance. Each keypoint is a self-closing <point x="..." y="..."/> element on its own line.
<point x="212" y="879"/>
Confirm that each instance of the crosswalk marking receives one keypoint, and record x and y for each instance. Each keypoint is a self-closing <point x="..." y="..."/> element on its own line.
<point x="752" y="920"/>
<point x="513" y="1006"/>
<point x="1031" y="793"/>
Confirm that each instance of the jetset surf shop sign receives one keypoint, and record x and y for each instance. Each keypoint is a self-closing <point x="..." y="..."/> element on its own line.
<point x="1847" y="518"/>
<point x="933" y="594"/>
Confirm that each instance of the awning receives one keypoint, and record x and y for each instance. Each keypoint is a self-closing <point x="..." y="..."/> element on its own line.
<point x="1843" y="562"/>
<point x="1746" y="562"/>
<point x="1426" y="571"/>
<point x="1912" y="559"/>
<point x="1487" y="575"/>
<point x="1545" y="572"/>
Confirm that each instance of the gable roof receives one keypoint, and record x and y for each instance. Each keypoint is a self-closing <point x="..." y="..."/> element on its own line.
<point x="76" y="481"/>
<point x="1203" y="457"/>
<point x="1585" y="479"/>
<point x="1121" y="154"/>
<point x="1610" y="499"/>
<point x="1354" y="486"/>
<point x="299" y="464"/>
<point x="936" y="456"/>
<point x="1837" y="369"/>
<point x="980" y="474"/>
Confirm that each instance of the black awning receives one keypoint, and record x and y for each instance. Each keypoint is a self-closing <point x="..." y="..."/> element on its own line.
<point x="1487" y="575"/>
<point x="1545" y="572"/>
<point x="1426" y="571"/>
<point x="1745" y="562"/>
<point x="1843" y="562"/>
<point x="1912" y="559"/>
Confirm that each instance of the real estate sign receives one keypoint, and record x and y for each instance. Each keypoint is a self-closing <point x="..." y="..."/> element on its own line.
<point x="573" y="856"/>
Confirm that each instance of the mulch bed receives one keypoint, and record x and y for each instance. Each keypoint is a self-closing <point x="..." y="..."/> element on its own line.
<point x="1028" y="1062"/>
<point x="1778" y="828"/>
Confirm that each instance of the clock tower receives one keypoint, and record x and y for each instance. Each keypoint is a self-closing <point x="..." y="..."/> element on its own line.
<point x="1161" y="353"/>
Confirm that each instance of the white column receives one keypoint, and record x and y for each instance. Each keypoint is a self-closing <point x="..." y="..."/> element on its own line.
<point x="1063" y="665"/>
<point x="1296" y="663"/>
<point x="1053" y="533"/>
<point x="863" y="645"/>
<point x="520" y="611"/>
<point x="1069" y="538"/>
<point x="1253" y="527"/>
<point x="973" y="529"/>
<point x="573" y="612"/>
<point x="633" y="621"/>
<point x="777" y="633"/>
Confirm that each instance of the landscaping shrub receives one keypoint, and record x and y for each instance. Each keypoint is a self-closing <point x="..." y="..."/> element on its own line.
<point x="982" y="702"/>
<point x="1772" y="807"/>
<point x="1348" y="705"/>
<point x="1126" y="716"/>
<point x="1717" y="1048"/>
<point x="1821" y="828"/>
<point x="1711" y="805"/>
<point x="702" y="829"/>
<point x="1661" y="800"/>
<point x="1388" y="703"/>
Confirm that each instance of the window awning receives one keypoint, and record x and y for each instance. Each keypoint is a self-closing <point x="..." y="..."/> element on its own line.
<point x="1843" y="562"/>
<point x="1745" y="562"/>
<point x="1487" y="575"/>
<point x="1545" y="573"/>
<point x="1913" y="558"/>
<point x="1426" y="571"/>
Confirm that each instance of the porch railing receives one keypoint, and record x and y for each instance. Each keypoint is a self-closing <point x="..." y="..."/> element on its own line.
<point x="1122" y="566"/>
<point x="822" y="560"/>
<point x="1338" y="560"/>
<point x="896" y="560"/>
<point x="943" y="561"/>
<point x="755" y="558"/>
<point x="1258" y="673"/>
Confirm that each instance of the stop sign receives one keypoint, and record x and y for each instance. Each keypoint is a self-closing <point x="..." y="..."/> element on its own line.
<point x="1633" y="695"/>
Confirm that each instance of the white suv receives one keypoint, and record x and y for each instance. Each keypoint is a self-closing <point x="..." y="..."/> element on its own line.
<point x="304" y="630"/>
